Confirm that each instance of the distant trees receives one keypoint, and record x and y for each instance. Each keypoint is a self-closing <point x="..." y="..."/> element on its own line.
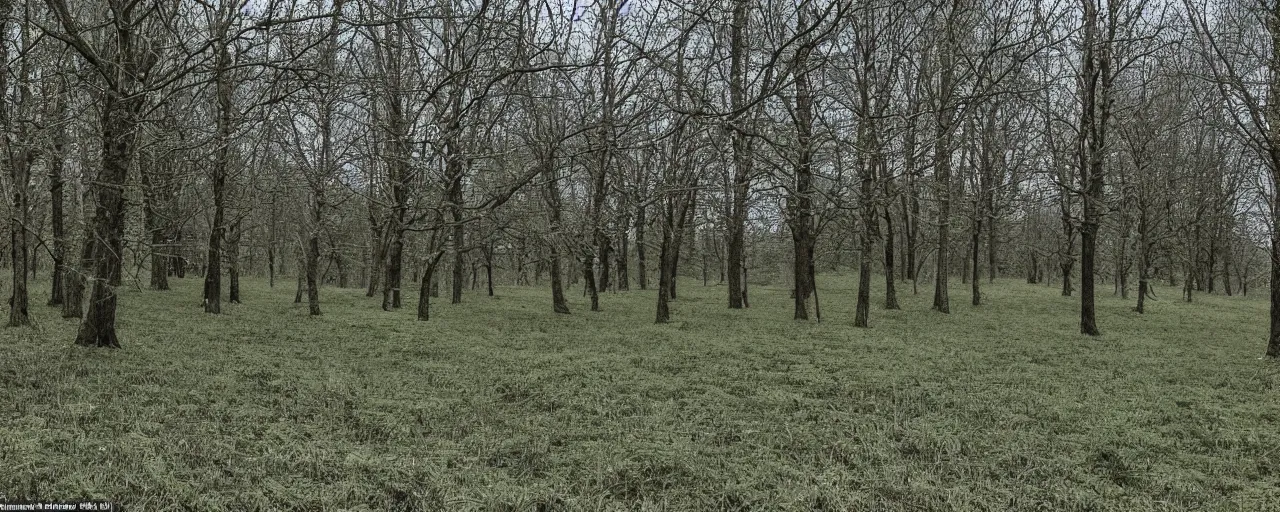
<point x="1243" y="60"/>
<point x="366" y="143"/>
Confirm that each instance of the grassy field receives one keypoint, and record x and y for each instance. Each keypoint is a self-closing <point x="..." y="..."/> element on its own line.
<point x="497" y="404"/>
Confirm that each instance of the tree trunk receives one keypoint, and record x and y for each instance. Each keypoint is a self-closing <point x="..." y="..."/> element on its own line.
<point x="1272" y="114"/>
<point x="1032" y="268"/>
<point x="868" y="234"/>
<point x="56" y="211"/>
<point x="624" y="274"/>
<point x="75" y="282"/>
<point x="213" y="271"/>
<point x="488" y="266"/>
<point x="975" y="266"/>
<point x="301" y="274"/>
<point x="890" y="292"/>
<point x="459" y="273"/>
<point x="313" y="256"/>
<point x="394" y="268"/>
<point x="19" y="226"/>
<point x="606" y="253"/>
<point x="178" y="263"/>
<point x="119" y="128"/>
<point x="1144" y="266"/>
<point x="1088" y="236"/>
<point x="233" y="263"/>
<point x="664" y="273"/>
<point x="742" y="152"/>
<point x="944" y="130"/>
<point x="991" y="237"/>
<point x="220" y="169"/>
<point x="1273" y="344"/>
<point x="675" y="212"/>
<point x="160" y="258"/>
<point x="801" y="201"/>
<point x="1226" y="269"/>
<point x="20" y="220"/>
<point x="589" y="276"/>
<point x="424" y="294"/>
<point x="20" y="159"/>
<point x="552" y="198"/>
<point x="456" y="168"/>
<point x="1096" y="103"/>
<point x="642" y="274"/>
<point x="942" y="155"/>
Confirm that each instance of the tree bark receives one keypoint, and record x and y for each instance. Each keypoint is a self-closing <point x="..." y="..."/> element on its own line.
<point x="1096" y="105"/>
<point x="642" y="274"/>
<point x="424" y="292"/>
<point x="119" y="127"/>
<point x="233" y="260"/>
<point x="57" y="181"/>
<point x="159" y="231"/>
<point x="890" y="290"/>
<point x="20" y="161"/>
<point x="624" y="252"/>
<point x="801" y="200"/>
<point x="944" y="131"/>
<point x="742" y="152"/>
<point x="552" y="197"/>
<point x="673" y="225"/>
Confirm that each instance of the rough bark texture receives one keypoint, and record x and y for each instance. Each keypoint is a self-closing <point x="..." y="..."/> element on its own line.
<point x="233" y="263"/>
<point x="218" y="176"/>
<point x="301" y="275"/>
<point x="675" y="212"/>
<point x="890" y="291"/>
<point x="801" y="201"/>
<point x="944" y="129"/>
<point x="1096" y="105"/>
<point x="642" y="273"/>
<point x="396" y="154"/>
<point x="552" y="198"/>
<point x="152" y="196"/>
<point x="56" y="213"/>
<point x="742" y="159"/>
<point x="21" y="155"/>
<point x="119" y="122"/>
<point x="75" y="282"/>
<point x="312" y="263"/>
<point x="624" y="252"/>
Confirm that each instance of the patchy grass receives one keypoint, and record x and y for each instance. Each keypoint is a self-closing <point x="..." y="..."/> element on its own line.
<point x="497" y="404"/>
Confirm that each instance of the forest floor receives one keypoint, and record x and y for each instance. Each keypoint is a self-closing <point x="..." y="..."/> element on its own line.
<point x="498" y="404"/>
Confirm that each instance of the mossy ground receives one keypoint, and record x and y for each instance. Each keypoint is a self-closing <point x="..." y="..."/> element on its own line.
<point x="498" y="404"/>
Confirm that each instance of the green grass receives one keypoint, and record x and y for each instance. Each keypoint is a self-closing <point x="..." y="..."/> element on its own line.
<point x="497" y="404"/>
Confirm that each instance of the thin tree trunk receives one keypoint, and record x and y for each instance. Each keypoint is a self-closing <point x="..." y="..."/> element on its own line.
<point x="975" y="266"/>
<point x="57" y="181"/>
<point x="160" y="259"/>
<point x="424" y="293"/>
<point x="890" y="291"/>
<point x="944" y="130"/>
<point x="233" y="263"/>
<point x="624" y="252"/>
<point x="488" y="266"/>
<point x="742" y="153"/>
<point x="552" y="198"/>
<point x="642" y="274"/>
